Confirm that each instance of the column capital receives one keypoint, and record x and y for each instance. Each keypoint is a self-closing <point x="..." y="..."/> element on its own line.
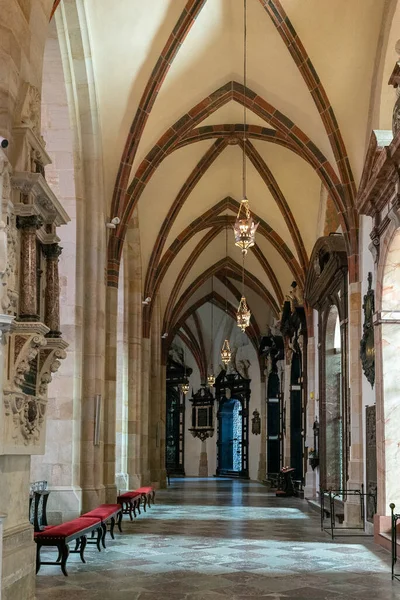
<point x="30" y="221"/>
<point x="52" y="251"/>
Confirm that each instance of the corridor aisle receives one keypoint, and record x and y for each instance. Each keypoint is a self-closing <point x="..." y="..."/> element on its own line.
<point x="216" y="539"/>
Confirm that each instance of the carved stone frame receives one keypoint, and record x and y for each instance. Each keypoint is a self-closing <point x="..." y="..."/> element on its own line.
<point x="327" y="286"/>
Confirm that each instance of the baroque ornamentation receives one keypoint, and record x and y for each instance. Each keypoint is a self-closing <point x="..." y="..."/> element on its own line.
<point x="30" y="112"/>
<point x="28" y="414"/>
<point x="367" y="345"/>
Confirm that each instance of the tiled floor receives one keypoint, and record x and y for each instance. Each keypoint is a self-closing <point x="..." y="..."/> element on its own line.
<point x="219" y="539"/>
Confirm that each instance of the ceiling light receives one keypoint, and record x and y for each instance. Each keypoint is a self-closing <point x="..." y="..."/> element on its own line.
<point x="226" y="353"/>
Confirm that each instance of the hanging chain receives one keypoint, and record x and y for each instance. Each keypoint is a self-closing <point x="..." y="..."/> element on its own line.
<point x="243" y="255"/>
<point x="245" y="94"/>
<point x="226" y="267"/>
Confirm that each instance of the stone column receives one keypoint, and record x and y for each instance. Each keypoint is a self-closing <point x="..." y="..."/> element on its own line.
<point x="356" y="475"/>
<point x="262" y="463"/>
<point x="162" y="426"/>
<point x="311" y="476"/>
<point x="144" y="421"/>
<point x="110" y="389"/>
<point x="155" y="394"/>
<point x="28" y="292"/>
<point x="52" y="294"/>
<point x="2" y="517"/>
<point x="134" y="269"/>
<point x="203" y="461"/>
<point x="286" y="404"/>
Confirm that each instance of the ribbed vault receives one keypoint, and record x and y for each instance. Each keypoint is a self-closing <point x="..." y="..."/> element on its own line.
<point x="171" y="107"/>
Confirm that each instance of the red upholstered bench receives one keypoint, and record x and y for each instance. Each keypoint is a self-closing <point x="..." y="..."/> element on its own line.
<point x="61" y="535"/>
<point x="107" y="512"/>
<point x="130" y="501"/>
<point x="148" y="495"/>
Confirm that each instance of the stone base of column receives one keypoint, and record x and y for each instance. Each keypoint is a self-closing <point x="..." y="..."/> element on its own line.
<point x="110" y="492"/>
<point x="53" y="334"/>
<point x="203" y="462"/>
<point x="19" y="563"/>
<point x="92" y="497"/>
<point x="163" y="478"/>
<point x="122" y="482"/>
<point x="28" y="318"/>
<point x="146" y="479"/>
<point x="310" y="488"/>
<point x="135" y="481"/>
<point x="64" y="504"/>
<point x="262" y="467"/>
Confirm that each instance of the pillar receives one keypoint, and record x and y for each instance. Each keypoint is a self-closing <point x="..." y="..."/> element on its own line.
<point x="352" y="510"/>
<point x="52" y="294"/>
<point x="310" y="490"/>
<point x="110" y="391"/>
<point x="155" y="394"/>
<point x="262" y="463"/>
<point x="134" y="309"/>
<point x="144" y="421"/>
<point x="286" y="404"/>
<point x="203" y="460"/>
<point x="28" y="284"/>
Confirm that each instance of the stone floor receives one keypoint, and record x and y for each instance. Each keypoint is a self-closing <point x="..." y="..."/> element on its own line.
<point x="218" y="539"/>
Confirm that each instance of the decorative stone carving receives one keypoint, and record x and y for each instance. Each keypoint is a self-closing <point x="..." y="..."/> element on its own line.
<point x="30" y="108"/>
<point x="50" y="362"/>
<point x="28" y="415"/>
<point x="367" y="345"/>
<point x="32" y="361"/>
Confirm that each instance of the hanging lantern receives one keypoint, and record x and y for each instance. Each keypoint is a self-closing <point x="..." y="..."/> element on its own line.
<point x="226" y="353"/>
<point x="243" y="314"/>
<point x="211" y="379"/>
<point x="245" y="227"/>
<point x="184" y="387"/>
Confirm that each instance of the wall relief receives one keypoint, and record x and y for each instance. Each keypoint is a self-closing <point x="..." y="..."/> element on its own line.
<point x="367" y="344"/>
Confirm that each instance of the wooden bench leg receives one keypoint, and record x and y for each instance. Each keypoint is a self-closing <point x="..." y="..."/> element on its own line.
<point x="65" y="554"/>
<point x="119" y="521"/>
<point x="99" y="537"/>
<point x="83" y="542"/>
<point x="153" y="497"/>
<point x="112" y="525"/>
<point x="104" y="533"/>
<point x="144" y="498"/>
<point x="131" y="509"/>
<point x="137" y="502"/>
<point x="38" y="563"/>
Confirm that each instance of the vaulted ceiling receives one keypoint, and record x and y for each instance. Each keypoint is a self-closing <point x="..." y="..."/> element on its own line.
<point x="169" y="80"/>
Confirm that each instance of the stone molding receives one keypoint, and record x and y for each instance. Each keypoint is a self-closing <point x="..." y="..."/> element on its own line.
<point x="43" y="201"/>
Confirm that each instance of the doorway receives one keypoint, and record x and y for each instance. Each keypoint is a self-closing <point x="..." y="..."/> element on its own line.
<point x="231" y="433"/>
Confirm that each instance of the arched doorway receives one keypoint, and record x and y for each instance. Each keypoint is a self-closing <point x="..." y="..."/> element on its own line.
<point x="333" y="408"/>
<point x="232" y="393"/>
<point x="296" y="418"/>
<point x="230" y="437"/>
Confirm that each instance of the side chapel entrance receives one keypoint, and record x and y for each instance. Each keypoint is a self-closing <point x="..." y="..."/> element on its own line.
<point x="232" y="393"/>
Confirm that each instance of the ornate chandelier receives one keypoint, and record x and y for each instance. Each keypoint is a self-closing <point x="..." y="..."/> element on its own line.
<point x="184" y="387"/>
<point x="226" y="353"/>
<point x="243" y="314"/>
<point x="211" y="378"/>
<point x="245" y="227"/>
